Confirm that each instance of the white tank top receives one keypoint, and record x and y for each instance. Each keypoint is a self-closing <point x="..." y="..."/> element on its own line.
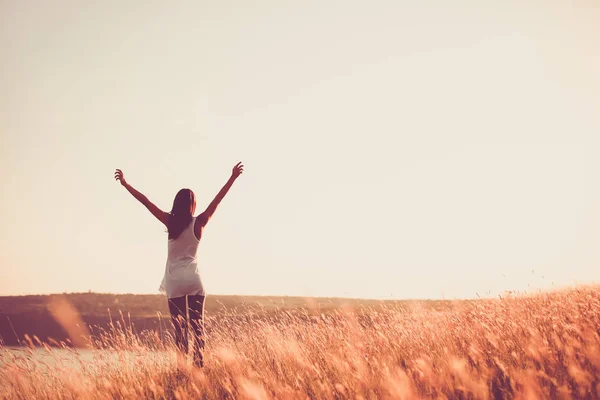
<point x="181" y="272"/>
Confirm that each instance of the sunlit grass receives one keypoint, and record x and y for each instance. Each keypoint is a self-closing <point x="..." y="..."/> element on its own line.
<point x="542" y="346"/>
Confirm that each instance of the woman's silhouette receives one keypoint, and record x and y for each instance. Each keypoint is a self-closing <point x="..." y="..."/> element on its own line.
<point x="181" y="282"/>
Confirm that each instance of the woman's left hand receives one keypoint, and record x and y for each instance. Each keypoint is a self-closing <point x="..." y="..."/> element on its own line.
<point x="237" y="170"/>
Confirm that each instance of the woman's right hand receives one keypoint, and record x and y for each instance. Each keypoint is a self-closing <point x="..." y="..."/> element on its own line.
<point x="120" y="177"/>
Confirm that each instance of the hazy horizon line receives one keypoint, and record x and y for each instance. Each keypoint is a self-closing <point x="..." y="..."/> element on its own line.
<point x="507" y="293"/>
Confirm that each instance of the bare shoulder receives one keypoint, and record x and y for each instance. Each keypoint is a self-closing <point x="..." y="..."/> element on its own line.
<point x="199" y="223"/>
<point x="201" y="219"/>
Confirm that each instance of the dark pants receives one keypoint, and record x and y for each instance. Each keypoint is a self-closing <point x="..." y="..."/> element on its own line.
<point x="179" y="307"/>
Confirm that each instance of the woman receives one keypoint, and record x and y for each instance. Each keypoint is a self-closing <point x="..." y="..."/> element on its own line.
<point x="181" y="282"/>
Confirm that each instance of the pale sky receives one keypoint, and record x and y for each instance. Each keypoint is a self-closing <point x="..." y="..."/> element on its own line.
<point x="405" y="149"/>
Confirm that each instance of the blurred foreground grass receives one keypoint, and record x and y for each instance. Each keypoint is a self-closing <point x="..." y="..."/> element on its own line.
<point x="540" y="346"/>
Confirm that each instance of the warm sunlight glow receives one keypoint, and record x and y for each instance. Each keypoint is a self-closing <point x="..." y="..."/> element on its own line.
<point x="406" y="149"/>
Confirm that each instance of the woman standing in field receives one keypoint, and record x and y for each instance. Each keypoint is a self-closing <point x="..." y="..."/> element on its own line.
<point x="181" y="282"/>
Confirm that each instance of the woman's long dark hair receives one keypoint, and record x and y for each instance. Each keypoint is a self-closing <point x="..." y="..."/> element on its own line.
<point x="180" y="217"/>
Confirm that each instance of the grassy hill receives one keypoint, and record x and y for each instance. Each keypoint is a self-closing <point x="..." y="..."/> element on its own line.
<point x="21" y="315"/>
<point x="147" y="305"/>
<point x="544" y="346"/>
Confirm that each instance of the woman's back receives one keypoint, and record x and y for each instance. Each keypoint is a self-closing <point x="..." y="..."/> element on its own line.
<point x="181" y="270"/>
<point x="182" y="250"/>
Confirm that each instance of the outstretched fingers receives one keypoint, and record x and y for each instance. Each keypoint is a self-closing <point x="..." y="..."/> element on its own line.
<point x="238" y="169"/>
<point x="118" y="175"/>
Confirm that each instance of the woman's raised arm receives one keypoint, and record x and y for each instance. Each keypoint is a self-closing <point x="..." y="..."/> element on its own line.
<point x="212" y="207"/>
<point x="157" y="212"/>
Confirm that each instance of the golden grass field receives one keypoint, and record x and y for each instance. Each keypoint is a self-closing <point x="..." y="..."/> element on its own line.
<point x="527" y="347"/>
